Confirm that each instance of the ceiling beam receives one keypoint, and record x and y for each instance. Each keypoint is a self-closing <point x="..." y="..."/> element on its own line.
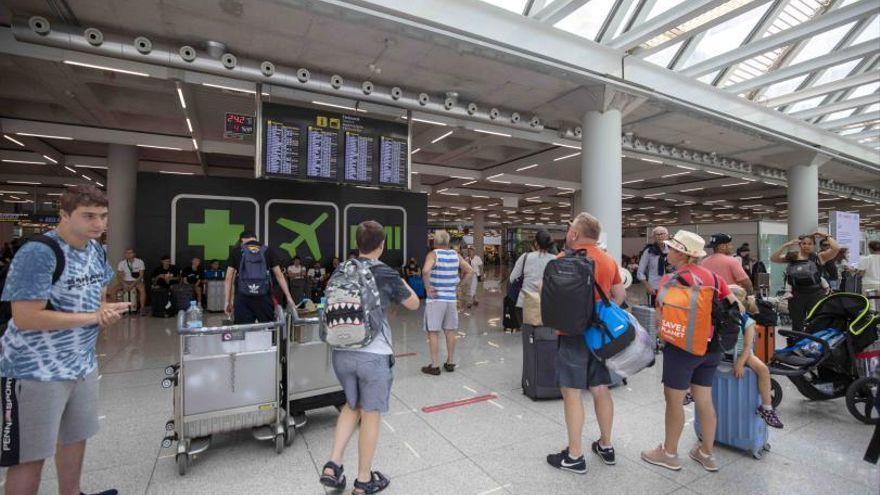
<point x="557" y="10"/>
<point x="613" y="21"/>
<point x="822" y="89"/>
<point x="662" y="23"/>
<point x="791" y="35"/>
<point x="814" y="64"/>
<point x="836" y="107"/>
<point x="851" y="120"/>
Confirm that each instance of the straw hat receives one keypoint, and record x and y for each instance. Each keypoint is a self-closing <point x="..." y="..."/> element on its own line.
<point x="688" y="243"/>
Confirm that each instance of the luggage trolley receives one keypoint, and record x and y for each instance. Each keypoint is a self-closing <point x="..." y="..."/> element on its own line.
<point x="228" y="379"/>
<point x="310" y="382"/>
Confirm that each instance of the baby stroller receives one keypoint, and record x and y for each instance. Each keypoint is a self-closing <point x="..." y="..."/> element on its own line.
<point x="838" y="355"/>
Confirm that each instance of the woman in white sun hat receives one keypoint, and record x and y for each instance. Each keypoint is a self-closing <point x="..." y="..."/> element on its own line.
<point x="683" y="370"/>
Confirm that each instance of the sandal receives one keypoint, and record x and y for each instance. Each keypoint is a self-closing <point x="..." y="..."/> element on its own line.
<point x="377" y="483"/>
<point x="336" y="480"/>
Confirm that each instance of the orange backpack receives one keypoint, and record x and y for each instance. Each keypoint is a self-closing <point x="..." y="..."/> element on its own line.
<point x="686" y="314"/>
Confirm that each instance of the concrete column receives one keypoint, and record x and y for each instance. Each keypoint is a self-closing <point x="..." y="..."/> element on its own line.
<point x="479" y="232"/>
<point x="122" y="168"/>
<point x="684" y="215"/>
<point x="602" y="173"/>
<point x="803" y="198"/>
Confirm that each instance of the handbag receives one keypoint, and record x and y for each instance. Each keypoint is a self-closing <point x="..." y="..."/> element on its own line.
<point x="515" y="285"/>
<point x="532" y="308"/>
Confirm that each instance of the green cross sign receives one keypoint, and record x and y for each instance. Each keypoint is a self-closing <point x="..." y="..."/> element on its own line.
<point x="216" y="235"/>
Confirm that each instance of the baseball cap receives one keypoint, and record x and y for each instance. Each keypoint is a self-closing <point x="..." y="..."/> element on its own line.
<point x="717" y="239"/>
<point x="247" y="234"/>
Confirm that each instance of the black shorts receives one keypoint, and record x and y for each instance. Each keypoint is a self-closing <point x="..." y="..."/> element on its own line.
<point x="576" y="367"/>
<point x="248" y="309"/>
<point x="681" y="368"/>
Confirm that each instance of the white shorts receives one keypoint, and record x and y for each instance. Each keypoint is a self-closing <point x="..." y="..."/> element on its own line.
<point x="441" y="315"/>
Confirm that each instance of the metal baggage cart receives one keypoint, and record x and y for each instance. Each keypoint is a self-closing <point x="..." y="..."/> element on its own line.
<point x="310" y="381"/>
<point x="228" y="378"/>
<point x="215" y="296"/>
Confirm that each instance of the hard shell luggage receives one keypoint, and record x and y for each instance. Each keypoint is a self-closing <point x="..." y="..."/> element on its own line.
<point x="539" y="363"/>
<point x="736" y="402"/>
<point x="765" y="342"/>
<point x="216" y="295"/>
<point x="181" y="295"/>
<point x="510" y="316"/>
<point x="160" y="301"/>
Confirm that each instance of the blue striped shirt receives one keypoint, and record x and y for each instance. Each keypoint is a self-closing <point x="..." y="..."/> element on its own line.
<point x="444" y="275"/>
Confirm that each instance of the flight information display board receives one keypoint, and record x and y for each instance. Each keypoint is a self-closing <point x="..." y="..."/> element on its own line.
<point x="313" y="144"/>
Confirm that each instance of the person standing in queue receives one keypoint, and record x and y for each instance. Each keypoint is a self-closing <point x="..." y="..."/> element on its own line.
<point x="56" y="286"/>
<point x="653" y="263"/>
<point x="248" y="281"/>
<point x="577" y="369"/>
<point x="683" y="370"/>
<point x="444" y="269"/>
<point x="804" y="274"/>
<point x="724" y="265"/>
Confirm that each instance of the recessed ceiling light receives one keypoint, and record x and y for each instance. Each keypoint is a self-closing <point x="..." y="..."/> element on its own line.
<point x="425" y="121"/>
<point x="171" y="172"/>
<point x="693" y="189"/>
<point x="334" y="105"/>
<point x="16" y="141"/>
<point x="734" y="184"/>
<point x="70" y="169"/>
<point x="182" y="100"/>
<point x="24" y="162"/>
<point x="444" y="136"/>
<point x="673" y="175"/>
<point x="47" y="157"/>
<point x="567" y="145"/>
<point x="230" y="88"/>
<point x="527" y="167"/>
<point x="413" y="152"/>
<point x="23" y="182"/>
<point x="567" y="156"/>
<point x="85" y="165"/>
<point x="159" y="147"/>
<point x="494" y="133"/>
<point x="44" y="136"/>
<point x="633" y="181"/>
<point x="189" y="125"/>
<point x="103" y="67"/>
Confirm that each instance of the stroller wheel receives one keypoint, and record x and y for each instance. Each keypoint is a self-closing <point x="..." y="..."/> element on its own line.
<point x="860" y="400"/>
<point x="818" y="386"/>
<point x="775" y="393"/>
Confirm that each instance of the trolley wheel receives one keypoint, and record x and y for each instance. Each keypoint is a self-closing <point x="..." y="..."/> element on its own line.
<point x="169" y="426"/>
<point x="775" y="393"/>
<point x="182" y="463"/>
<point x="758" y="454"/>
<point x="860" y="399"/>
<point x="279" y="443"/>
<point x="289" y="436"/>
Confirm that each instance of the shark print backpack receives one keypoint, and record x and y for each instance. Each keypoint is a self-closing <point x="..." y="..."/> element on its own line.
<point x="352" y="307"/>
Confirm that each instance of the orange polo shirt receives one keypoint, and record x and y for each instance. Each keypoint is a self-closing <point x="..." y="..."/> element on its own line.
<point x="607" y="273"/>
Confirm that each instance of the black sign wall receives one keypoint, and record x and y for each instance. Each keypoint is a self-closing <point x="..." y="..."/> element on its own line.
<point x="202" y="217"/>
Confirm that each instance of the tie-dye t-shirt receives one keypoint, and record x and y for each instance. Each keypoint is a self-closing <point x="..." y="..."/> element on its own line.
<point x="58" y="354"/>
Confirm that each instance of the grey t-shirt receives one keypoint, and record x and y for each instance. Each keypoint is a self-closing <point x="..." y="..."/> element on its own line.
<point x="531" y="266"/>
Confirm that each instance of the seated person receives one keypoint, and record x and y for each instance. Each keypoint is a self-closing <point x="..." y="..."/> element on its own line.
<point x="194" y="276"/>
<point x="165" y="275"/>
<point x="316" y="276"/>
<point x="130" y="274"/>
<point x="214" y="271"/>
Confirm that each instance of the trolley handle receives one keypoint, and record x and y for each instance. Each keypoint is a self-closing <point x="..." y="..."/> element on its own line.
<point x="296" y="320"/>
<point x="248" y="327"/>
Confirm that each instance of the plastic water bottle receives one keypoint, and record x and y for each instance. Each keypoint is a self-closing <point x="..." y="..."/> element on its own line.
<point x="194" y="315"/>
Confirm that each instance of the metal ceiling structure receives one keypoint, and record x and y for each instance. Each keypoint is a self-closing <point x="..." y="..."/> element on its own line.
<point x="508" y="144"/>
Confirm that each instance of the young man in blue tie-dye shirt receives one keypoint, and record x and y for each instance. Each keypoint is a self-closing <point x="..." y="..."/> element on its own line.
<point x="48" y="370"/>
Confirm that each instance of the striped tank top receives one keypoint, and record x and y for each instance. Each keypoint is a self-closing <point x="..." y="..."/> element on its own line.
<point x="444" y="275"/>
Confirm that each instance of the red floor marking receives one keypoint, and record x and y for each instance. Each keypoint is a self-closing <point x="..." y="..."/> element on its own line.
<point x="407" y="354"/>
<point x="458" y="403"/>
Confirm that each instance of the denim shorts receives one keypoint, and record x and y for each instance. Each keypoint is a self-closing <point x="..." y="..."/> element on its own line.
<point x="365" y="378"/>
<point x="681" y="368"/>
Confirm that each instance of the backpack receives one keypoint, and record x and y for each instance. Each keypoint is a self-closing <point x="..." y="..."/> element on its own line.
<point x="726" y="323"/>
<point x="352" y="315"/>
<point x="60" y="263"/>
<point x="568" y="293"/>
<point x="253" y="271"/>
<point x="612" y="330"/>
<point x="686" y="314"/>
<point x="804" y="274"/>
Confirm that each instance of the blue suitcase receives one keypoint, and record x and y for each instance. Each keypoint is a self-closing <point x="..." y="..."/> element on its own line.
<point x="736" y="401"/>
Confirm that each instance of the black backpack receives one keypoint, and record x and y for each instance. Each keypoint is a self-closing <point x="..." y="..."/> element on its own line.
<point x="60" y="263"/>
<point x="568" y="293"/>
<point x="253" y="271"/>
<point x="726" y="322"/>
<point x="804" y="274"/>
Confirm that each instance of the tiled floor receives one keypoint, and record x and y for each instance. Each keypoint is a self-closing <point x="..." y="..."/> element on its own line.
<point x="493" y="447"/>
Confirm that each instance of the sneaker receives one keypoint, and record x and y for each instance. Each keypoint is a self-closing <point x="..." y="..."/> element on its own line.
<point x="564" y="462"/>
<point x="450" y="367"/>
<point x="659" y="457"/>
<point x="607" y="455"/>
<point x="431" y="370"/>
<point x="688" y="399"/>
<point x="707" y="461"/>
<point x="769" y="416"/>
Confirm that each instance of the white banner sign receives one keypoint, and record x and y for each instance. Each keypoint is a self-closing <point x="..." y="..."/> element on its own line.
<point x="845" y="228"/>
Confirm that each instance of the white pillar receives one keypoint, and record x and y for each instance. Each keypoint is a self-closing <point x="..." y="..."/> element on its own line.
<point x="479" y="232"/>
<point x="122" y="168"/>
<point x="602" y="173"/>
<point x="803" y="199"/>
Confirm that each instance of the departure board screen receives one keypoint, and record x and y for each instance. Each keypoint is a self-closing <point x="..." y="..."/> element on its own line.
<point x="313" y="144"/>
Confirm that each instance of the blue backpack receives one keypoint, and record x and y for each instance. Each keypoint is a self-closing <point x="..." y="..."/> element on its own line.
<point x="253" y="271"/>
<point x="611" y="330"/>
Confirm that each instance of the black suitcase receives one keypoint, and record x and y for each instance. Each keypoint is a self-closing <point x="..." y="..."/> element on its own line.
<point x="182" y="295"/>
<point x="160" y="298"/>
<point x="539" y="363"/>
<point x="511" y="316"/>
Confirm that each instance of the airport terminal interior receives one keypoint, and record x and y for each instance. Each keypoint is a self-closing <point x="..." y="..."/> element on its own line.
<point x="480" y="130"/>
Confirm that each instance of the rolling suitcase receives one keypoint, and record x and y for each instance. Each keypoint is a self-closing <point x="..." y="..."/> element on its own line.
<point x="216" y="295"/>
<point x="736" y="401"/>
<point x="539" y="363"/>
<point x="765" y="342"/>
<point x="510" y="316"/>
<point x="181" y="295"/>
<point x="160" y="299"/>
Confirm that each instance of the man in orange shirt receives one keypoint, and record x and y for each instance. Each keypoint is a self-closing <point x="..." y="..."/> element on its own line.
<point x="576" y="368"/>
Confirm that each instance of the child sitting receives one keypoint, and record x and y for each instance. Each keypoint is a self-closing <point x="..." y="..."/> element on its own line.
<point x="745" y="356"/>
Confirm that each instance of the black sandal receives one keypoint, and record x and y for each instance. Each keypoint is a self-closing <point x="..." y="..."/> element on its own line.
<point x="337" y="480"/>
<point x="377" y="483"/>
